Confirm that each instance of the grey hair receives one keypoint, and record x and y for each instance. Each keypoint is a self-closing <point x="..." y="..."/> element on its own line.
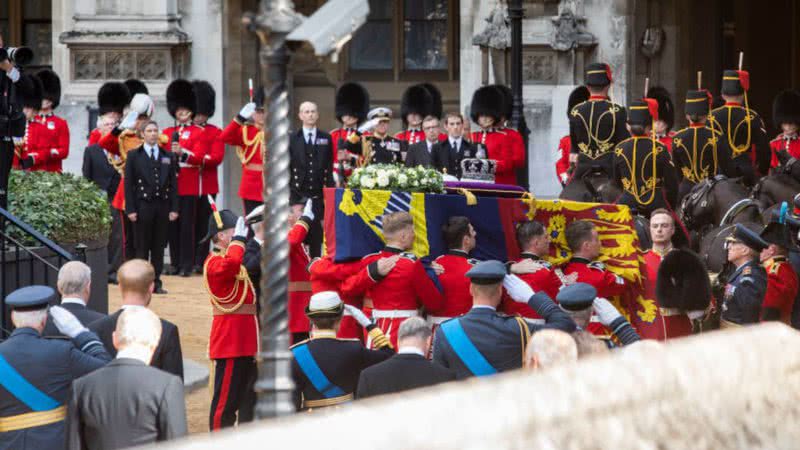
<point x="552" y="348"/>
<point x="33" y="319"/>
<point x="138" y="326"/>
<point x="414" y="327"/>
<point x="73" y="278"/>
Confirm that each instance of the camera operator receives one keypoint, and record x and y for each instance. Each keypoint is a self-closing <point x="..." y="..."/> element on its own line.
<point x="12" y="120"/>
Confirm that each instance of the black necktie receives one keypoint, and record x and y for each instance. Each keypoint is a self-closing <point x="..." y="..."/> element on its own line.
<point x="152" y="153"/>
<point x="310" y="140"/>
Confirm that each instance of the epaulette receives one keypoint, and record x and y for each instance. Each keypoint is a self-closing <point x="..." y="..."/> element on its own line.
<point x="775" y="267"/>
<point x="597" y="265"/>
<point x="409" y="255"/>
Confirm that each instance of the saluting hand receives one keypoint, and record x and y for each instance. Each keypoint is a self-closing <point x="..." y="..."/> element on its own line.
<point x="385" y="265"/>
<point x="241" y="228"/>
<point x="66" y="322"/>
<point x="129" y="121"/>
<point x="308" y="210"/>
<point x="605" y="311"/>
<point x="518" y="290"/>
<point x="247" y="111"/>
<point x="359" y="315"/>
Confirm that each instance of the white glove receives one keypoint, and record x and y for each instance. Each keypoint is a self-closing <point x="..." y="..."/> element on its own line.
<point x="518" y="290"/>
<point x="248" y="110"/>
<point x="66" y="322"/>
<point x="368" y="126"/>
<point x="241" y="228"/>
<point x="308" y="210"/>
<point x="357" y="314"/>
<point x="605" y="311"/>
<point x="129" y="121"/>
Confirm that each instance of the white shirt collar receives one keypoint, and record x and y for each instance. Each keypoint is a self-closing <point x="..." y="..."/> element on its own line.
<point x="484" y="307"/>
<point x="456" y="140"/>
<point x="76" y="300"/>
<point x="132" y="306"/>
<point x="312" y="131"/>
<point x="410" y="351"/>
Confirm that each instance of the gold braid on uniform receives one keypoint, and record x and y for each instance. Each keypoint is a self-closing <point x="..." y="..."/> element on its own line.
<point x="379" y="339"/>
<point x="630" y="185"/>
<point x="592" y="131"/>
<point x="735" y="149"/>
<point x="240" y="288"/>
<point x="253" y="144"/>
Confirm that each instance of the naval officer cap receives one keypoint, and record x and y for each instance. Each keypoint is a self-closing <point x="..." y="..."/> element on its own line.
<point x="325" y="304"/>
<point x="748" y="237"/>
<point x="31" y="298"/>
<point x="381" y="113"/>
<point x="487" y="272"/>
<point x="576" y="297"/>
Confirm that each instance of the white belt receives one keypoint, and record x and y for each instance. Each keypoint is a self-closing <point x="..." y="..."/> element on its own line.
<point x="534" y="321"/>
<point x="437" y="320"/>
<point x="394" y="313"/>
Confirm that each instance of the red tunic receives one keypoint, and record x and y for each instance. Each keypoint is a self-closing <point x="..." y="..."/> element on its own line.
<point x="212" y="148"/>
<point x="790" y="143"/>
<point x="669" y="323"/>
<point x="38" y="143"/>
<point x="60" y="135"/>
<point x="607" y="283"/>
<point x="455" y="284"/>
<point x="299" y="282"/>
<point x="782" y="287"/>
<point x="399" y="294"/>
<point x="189" y="173"/>
<point x="544" y="279"/>
<point x="414" y="136"/>
<point x="517" y="149"/>
<point x="562" y="165"/>
<point x="499" y="147"/>
<point x="248" y="138"/>
<point x="94" y="136"/>
<point x="120" y="144"/>
<point x="233" y="334"/>
<point x="337" y="135"/>
<point x="327" y="275"/>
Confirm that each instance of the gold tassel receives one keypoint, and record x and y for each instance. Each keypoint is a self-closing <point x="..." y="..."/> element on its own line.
<point x="471" y="199"/>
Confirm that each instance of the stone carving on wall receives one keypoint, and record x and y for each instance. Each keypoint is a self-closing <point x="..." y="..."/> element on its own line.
<point x="494" y="41"/>
<point x="569" y="29"/>
<point x="539" y="66"/>
<point x="120" y="64"/>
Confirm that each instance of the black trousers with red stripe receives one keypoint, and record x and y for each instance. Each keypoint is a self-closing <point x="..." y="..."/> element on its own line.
<point x="234" y="397"/>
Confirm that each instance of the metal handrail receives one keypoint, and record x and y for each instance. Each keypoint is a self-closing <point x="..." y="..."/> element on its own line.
<point x="39" y="237"/>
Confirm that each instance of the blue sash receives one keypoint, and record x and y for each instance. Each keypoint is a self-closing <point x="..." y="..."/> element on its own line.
<point x="465" y="349"/>
<point x="314" y="374"/>
<point x="23" y="390"/>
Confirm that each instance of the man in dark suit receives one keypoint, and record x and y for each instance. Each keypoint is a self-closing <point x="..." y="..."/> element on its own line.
<point x="420" y="154"/>
<point x="98" y="169"/>
<point x="151" y="198"/>
<point x="136" y="279"/>
<point x="447" y="155"/>
<point x="127" y="403"/>
<point x="409" y="368"/>
<point x="311" y="169"/>
<point x="74" y="284"/>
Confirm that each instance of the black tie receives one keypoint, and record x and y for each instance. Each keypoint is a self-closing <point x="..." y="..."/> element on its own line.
<point x="152" y="153"/>
<point x="310" y="140"/>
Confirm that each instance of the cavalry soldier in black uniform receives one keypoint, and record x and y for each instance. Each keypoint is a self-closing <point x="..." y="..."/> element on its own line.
<point x="325" y="369"/>
<point x="743" y="135"/>
<point x="644" y="168"/>
<point x="694" y="148"/>
<point x="597" y="125"/>
<point x="744" y="293"/>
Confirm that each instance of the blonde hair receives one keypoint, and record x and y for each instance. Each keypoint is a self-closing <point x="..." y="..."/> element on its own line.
<point x="396" y="221"/>
<point x="136" y="276"/>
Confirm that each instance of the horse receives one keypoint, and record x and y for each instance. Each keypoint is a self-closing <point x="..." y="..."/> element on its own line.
<point x="716" y="202"/>
<point x="774" y="189"/>
<point x="594" y="186"/>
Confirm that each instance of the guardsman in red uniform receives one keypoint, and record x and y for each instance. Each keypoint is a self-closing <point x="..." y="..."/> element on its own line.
<point x="460" y="237"/>
<point x="398" y="294"/>
<point x="743" y="137"/>
<point x="487" y="111"/>
<point x="112" y="98"/>
<point x="534" y="243"/>
<point x="246" y="132"/>
<point x="675" y="320"/>
<point x="352" y="105"/>
<point x="782" y="283"/>
<point x="180" y="139"/>
<point x="579" y="95"/>
<point x="786" y="115"/>
<point x="233" y="343"/>
<point x="666" y="116"/>
<point x="327" y="275"/>
<point x="517" y="145"/>
<point x="584" y="241"/>
<point x="33" y="151"/>
<point x="56" y="125"/>
<point x="212" y="149"/>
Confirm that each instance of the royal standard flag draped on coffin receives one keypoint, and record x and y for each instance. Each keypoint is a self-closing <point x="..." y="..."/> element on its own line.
<point x="353" y="229"/>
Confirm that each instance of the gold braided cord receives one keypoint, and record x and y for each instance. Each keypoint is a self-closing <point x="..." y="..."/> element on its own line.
<point x="631" y="186"/>
<point x="738" y="150"/>
<point x="240" y="288"/>
<point x="253" y="144"/>
<point x="592" y="131"/>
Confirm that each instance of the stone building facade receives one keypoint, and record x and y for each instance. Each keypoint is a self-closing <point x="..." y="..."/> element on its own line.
<point x="407" y="41"/>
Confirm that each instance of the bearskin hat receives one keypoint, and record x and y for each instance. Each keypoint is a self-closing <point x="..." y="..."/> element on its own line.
<point x="486" y="102"/>
<point x="136" y="87"/>
<point x="205" y="97"/>
<point x="259" y="97"/>
<point x="51" y="84"/>
<point x="786" y="108"/>
<point x="666" y="109"/>
<point x="578" y="95"/>
<point x="436" y="95"/>
<point x="352" y="100"/>
<point x="416" y="100"/>
<point x="682" y="281"/>
<point x="113" y="97"/>
<point x="180" y="94"/>
<point x="30" y="98"/>
<point x="508" y="99"/>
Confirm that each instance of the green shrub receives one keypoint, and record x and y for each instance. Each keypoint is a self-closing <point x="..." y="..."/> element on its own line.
<point x="66" y="208"/>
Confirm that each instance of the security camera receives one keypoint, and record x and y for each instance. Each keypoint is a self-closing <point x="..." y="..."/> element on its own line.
<point x="332" y="26"/>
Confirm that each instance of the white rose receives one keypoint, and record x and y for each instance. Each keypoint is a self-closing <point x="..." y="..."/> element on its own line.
<point x="383" y="180"/>
<point x="402" y="179"/>
<point x="368" y="182"/>
<point x="415" y="183"/>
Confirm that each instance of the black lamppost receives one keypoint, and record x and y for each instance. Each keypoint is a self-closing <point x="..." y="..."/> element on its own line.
<point x="515" y="13"/>
<point x="274" y="387"/>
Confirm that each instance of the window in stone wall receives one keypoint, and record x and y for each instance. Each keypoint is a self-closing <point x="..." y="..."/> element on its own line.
<point x="29" y="23"/>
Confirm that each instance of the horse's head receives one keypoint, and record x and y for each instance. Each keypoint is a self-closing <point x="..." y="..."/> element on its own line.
<point x="696" y="206"/>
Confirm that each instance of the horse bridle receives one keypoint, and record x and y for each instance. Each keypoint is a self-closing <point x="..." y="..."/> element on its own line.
<point x="699" y="195"/>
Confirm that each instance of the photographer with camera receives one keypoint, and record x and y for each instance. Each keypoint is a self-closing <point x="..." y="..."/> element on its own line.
<point x="12" y="120"/>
